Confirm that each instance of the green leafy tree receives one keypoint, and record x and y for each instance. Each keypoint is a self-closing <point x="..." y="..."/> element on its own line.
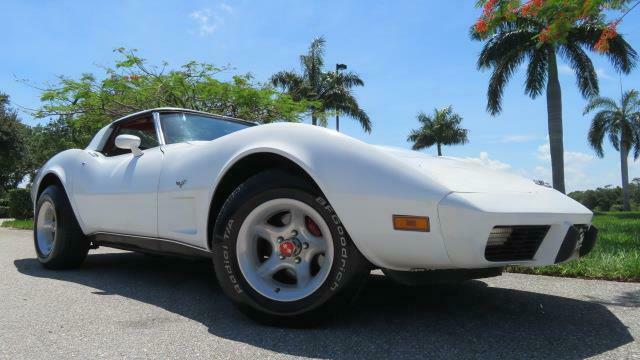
<point x="559" y="16"/>
<point x="326" y="92"/>
<point x="621" y="124"/>
<point x="20" y="205"/>
<point x="14" y="161"/>
<point x="49" y="139"/>
<point x="607" y="198"/>
<point x="441" y="128"/>
<point x="635" y="190"/>
<point x="516" y="39"/>
<point x="86" y="104"/>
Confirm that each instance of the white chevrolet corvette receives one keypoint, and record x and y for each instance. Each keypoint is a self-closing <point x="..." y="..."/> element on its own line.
<point x="294" y="216"/>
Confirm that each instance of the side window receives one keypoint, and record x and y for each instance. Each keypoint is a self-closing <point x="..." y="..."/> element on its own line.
<point x="142" y="127"/>
<point x="179" y="127"/>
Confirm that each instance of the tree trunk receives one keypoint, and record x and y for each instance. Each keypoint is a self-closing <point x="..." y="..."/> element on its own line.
<point x="554" y="118"/>
<point x="624" y="170"/>
<point x="439" y="149"/>
<point x="314" y="120"/>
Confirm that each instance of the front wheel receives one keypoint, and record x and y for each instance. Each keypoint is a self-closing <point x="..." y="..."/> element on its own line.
<point x="282" y="254"/>
<point x="58" y="239"/>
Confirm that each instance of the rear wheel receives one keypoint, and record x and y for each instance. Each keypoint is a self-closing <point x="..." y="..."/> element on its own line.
<point x="282" y="254"/>
<point x="58" y="239"/>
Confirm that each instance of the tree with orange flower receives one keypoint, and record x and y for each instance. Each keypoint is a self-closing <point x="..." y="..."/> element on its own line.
<point x="537" y="31"/>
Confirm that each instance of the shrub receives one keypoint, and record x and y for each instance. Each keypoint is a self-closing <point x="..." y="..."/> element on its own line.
<point x="616" y="207"/>
<point x="4" y="212"/>
<point x="20" y="206"/>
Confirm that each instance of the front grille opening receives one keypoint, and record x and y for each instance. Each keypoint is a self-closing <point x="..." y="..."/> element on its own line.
<point x="514" y="243"/>
<point x="581" y="229"/>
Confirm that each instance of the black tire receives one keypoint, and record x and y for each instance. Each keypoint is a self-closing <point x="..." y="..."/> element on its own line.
<point x="70" y="245"/>
<point x="346" y="276"/>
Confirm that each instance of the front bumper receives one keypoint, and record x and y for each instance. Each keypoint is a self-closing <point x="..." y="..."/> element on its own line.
<point x="466" y="220"/>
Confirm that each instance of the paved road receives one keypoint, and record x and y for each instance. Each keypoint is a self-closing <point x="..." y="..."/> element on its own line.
<point x="122" y="304"/>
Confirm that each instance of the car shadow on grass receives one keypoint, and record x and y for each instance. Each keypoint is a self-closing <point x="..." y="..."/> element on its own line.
<point x="388" y="321"/>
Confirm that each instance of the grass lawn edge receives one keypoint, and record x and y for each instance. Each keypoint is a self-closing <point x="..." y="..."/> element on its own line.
<point x="26" y="224"/>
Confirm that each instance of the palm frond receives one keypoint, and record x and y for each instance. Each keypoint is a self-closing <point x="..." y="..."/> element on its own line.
<point x="536" y="72"/>
<point x="518" y="23"/>
<point x="349" y="80"/>
<point x="620" y="53"/>
<point x="631" y="101"/>
<point x="348" y="106"/>
<point x="499" y="78"/>
<point x="597" y="132"/>
<point x="504" y="44"/>
<point x="285" y="78"/>
<point x="615" y="141"/>
<point x="586" y="76"/>
<point x="313" y="61"/>
<point x="424" y="118"/>
<point x="603" y="103"/>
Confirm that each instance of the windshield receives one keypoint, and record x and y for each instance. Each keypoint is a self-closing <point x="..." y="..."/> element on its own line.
<point x="181" y="127"/>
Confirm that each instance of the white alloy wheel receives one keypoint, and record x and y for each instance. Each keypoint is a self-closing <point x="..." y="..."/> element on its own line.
<point x="284" y="249"/>
<point x="46" y="227"/>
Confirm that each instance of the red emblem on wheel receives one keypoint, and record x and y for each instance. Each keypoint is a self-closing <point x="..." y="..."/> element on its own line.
<point x="287" y="248"/>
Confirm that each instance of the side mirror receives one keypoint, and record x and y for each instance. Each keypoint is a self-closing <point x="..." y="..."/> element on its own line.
<point x="129" y="142"/>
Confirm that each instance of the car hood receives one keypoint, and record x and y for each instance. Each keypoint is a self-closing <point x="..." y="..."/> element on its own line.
<point x="462" y="175"/>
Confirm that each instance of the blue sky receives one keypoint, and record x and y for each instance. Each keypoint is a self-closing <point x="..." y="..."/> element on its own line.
<point x="413" y="55"/>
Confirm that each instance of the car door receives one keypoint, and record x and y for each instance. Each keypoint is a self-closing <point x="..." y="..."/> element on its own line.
<point x="116" y="191"/>
<point x="187" y="179"/>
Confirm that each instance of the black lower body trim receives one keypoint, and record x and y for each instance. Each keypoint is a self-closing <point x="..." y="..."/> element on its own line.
<point x="148" y="245"/>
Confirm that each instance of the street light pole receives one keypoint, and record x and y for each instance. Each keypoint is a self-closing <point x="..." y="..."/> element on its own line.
<point x="339" y="67"/>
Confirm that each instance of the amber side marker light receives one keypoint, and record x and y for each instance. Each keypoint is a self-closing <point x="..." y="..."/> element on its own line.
<point x="411" y="223"/>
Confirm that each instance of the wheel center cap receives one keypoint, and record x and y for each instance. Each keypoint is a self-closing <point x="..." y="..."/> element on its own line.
<point x="290" y="247"/>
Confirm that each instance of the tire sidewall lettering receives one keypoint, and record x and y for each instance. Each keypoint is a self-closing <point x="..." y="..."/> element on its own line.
<point x="227" y="259"/>
<point x="343" y="252"/>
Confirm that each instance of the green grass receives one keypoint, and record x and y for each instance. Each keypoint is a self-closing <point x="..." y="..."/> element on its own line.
<point x="19" y="224"/>
<point x="616" y="255"/>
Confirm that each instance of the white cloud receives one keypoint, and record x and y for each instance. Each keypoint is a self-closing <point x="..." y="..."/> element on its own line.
<point x="576" y="170"/>
<point x="226" y="7"/>
<point x="209" y="20"/>
<point x="485" y="161"/>
<point x="565" y="69"/>
<point x="543" y="172"/>
<point x="602" y="74"/>
<point x="515" y="138"/>
<point x="543" y="153"/>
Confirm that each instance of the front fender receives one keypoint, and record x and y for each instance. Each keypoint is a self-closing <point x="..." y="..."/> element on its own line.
<point x="61" y="166"/>
<point x="365" y="186"/>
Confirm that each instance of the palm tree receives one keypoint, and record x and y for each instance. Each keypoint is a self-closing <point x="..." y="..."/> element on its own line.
<point x="516" y="41"/>
<point x="621" y="122"/>
<point x="441" y="128"/>
<point x="326" y="91"/>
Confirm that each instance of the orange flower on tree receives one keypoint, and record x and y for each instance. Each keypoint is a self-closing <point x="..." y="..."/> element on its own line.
<point x="609" y="32"/>
<point x="481" y="26"/>
<point x="545" y="35"/>
<point x="488" y="8"/>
